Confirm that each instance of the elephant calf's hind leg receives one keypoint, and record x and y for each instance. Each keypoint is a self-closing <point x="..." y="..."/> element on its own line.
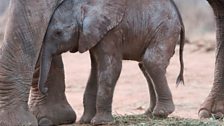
<point x="156" y="64"/>
<point x="151" y="90"/>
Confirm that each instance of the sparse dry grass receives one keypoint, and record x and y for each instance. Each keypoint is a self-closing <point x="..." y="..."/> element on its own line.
<point x="142" y="120"/>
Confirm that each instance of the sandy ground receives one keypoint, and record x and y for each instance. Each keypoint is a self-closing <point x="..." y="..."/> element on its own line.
<point x="131" y="93"/>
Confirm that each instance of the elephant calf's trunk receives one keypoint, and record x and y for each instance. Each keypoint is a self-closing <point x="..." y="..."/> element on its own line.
<point x="45" y="66"/>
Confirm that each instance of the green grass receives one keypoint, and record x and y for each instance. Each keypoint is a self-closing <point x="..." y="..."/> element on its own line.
<point x="142" y="120"/>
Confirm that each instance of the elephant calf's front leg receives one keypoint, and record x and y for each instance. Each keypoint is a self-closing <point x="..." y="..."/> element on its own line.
<point x="53" y="108"/>
<point x="108" y="71"/>
<point x="89" y="100"/>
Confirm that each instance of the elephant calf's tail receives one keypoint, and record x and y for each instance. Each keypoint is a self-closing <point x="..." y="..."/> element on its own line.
<point x="180" y="78"/>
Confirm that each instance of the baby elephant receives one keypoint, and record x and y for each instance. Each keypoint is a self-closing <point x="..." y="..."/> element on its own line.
<point x="145" y="31"/>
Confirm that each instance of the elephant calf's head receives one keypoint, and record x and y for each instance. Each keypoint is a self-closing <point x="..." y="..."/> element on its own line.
<point x="62" y="36"/>
<point x="78" y="25"/>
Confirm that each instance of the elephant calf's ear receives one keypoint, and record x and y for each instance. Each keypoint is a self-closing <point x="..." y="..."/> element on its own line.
<point x="99" y="17"/>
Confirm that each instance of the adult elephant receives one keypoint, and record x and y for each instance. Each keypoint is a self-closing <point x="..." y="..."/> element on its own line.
<point x="26" y="27"/>
<point x="25" y="31"/>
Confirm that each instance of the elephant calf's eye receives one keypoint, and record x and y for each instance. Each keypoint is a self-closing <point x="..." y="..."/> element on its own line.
<point x="58" y="33"/>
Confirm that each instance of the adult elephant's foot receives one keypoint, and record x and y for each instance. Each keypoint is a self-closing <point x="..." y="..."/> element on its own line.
<point x="102" y="118"/>
<point x="214" y="104"/>
<point x="17" y="116"/>
<point x="54" y="114"/>
<point x="163" y="108"/>
<point x="53" y="108"/>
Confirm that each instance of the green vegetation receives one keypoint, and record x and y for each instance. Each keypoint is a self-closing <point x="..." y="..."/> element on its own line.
<point x="142" y="120"/>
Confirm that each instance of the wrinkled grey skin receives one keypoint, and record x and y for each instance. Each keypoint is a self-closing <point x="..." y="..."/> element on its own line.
<point x="20" y="52"/>
<point x="19" y="69"/>
<point x="214" y="103"/>
<point x="144" y="31"/>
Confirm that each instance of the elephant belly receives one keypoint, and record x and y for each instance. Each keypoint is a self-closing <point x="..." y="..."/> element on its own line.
<point x="133" y="50"/>
<point x="142" y="22"/>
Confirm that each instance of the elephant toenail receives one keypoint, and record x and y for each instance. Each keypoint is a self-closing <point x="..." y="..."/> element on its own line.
<point x="203" y="114"/>
<point x="45" y="122"/>
<point x="161" y="112"/>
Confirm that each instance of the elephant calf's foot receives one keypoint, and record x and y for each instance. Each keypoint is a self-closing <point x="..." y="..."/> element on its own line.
<point x="86" y="118"/>
<point x="163" y="109"/>
<point x="17" y="117"/>
<point x="102" y="118"/>
<point x="54" y="114"/>
<point x="212" y="105"/>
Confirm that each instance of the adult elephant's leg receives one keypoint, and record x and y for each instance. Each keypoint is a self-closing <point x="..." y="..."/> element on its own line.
<point x="214" y="103"/>
<point x="19" y="53"/>
<point x="14" y="93"/>
<point x="151" y="90"/>
<point x="53" y="108"/>
<point x="89" y="100"/>
<point x="109" y="63"/>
